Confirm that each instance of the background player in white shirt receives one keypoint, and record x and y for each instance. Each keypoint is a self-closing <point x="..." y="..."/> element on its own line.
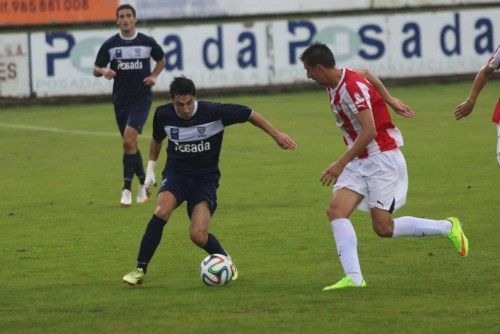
<point x="371" y="175"/>
<point x="482" y="77"/>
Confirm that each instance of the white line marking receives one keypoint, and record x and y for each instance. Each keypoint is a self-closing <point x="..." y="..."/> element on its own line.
<point x="58" y="130"/>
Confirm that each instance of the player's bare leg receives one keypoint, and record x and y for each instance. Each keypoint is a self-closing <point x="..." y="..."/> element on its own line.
<point x="198" y="232"/>
<point x="200" y="222"/>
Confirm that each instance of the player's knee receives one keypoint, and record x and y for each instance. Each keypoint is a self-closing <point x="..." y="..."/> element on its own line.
<point x="199" y="236"/>
<point x="162" y="212"/>
<point x="129" y="145"/>
<point x="334" y="212"/>
<point x="382" y="229"/>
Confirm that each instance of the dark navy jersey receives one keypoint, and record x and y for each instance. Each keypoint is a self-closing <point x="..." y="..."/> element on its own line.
<point x="130" y="59"/>
<point x="194" y="145"/>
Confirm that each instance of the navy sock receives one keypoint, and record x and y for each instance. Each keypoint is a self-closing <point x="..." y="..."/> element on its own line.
<point x="213" y="246"/>
<point x="128" y="170"/>
<point x="150" y="241"/>
<point x="139" y="167"/>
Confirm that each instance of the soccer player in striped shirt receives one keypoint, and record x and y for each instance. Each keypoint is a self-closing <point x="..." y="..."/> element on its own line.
<point x="129" y="54"/>
<point x="482" y="77"/>
<point x="371" y="175"/>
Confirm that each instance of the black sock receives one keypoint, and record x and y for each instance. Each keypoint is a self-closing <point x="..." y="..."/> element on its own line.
<point x="150" y="241"/>
<point x="128" y="170"/>
<point x="213" y="246"/>
<point x="139" y="167"/>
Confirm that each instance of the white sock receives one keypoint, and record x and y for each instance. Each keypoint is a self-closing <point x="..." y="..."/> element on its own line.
<point x="419" y="227"/>
<point x="346" y="241"/>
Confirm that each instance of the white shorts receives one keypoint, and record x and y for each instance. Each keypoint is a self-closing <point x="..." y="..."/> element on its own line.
<point x="381" y="178"/>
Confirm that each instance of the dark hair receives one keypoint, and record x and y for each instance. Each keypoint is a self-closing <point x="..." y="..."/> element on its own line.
<point x="182" y="86"/>
<point x="125" y="6"/>
<point x="318" y="54"/>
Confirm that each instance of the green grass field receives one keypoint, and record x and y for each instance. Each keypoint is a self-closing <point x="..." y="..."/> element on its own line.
<point x="65" y="243"/>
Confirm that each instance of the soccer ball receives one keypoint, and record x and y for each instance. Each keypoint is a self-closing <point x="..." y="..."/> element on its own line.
<point x="216" y="270"/>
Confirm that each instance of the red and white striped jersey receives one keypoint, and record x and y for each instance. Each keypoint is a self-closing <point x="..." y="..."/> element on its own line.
<point x="354" y="94"/>
<point x="494" y="61"/>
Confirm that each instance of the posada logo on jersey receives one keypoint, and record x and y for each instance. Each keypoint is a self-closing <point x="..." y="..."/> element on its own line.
<point x="130" y="65"/>
<point x="202" y="146"/>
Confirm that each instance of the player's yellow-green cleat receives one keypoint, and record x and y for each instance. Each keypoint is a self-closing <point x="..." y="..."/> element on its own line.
<point x="345" y="282"/>
<point x="235" y="273"/>
<point x="135" y="277"/>
<point x="457" y="237"/>
<point x="235" y="270"/>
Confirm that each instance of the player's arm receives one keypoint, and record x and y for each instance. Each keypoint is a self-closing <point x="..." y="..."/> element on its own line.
<point x="104" y="71"/>
<point x="466" y="107"/>
<point x="150" y="80"/>
<point x="281" y="138"/>
<point x="397" y="105"/>
<point x="367" y="134"/>
<point x="154" y="153"/>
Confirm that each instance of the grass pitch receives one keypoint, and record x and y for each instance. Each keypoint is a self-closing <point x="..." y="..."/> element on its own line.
<point x="65" y="242"/>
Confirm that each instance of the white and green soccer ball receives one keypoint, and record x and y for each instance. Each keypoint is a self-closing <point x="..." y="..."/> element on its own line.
<point x="216" y="270"/>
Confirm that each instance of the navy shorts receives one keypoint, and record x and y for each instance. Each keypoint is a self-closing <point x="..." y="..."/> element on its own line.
<point x="133" y="114"/>
<point x="192" y="190"/>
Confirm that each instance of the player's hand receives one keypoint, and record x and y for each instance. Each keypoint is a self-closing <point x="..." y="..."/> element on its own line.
<point x="149" y="81"/>
<point x="463" y="109"/>
<point x="400" y="108"/>
<point x="331" y="173"/>
<point x="108" y="73"/>
<point x="150" y="180"/>
<point x="285" y="141"/>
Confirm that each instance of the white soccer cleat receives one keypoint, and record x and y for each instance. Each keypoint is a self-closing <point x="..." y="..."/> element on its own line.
<point x="143" y="194"/>
<point x="126" y="200"/>
<point x="135" y="277"/>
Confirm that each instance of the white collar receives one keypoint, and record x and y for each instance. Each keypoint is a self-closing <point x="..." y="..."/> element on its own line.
<point x="194" y="110"/>
<point x="128" y="38"/>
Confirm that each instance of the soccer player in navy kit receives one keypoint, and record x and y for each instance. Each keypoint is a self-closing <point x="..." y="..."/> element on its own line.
<point x="194" y="130"/>
<point x="128" y="54"/>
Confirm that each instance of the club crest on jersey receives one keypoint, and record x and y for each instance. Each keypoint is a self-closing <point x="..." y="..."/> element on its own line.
<point x="118" y="53"/>
<point x="174" y="134"/>
<point x="201" y="131"/>
<point x="137" y="51"/>
<point x="359" y="101"/>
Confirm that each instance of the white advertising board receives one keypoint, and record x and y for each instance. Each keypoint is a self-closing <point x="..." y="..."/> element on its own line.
<point x="266" y="52"/>
<point x="393" y="46"/>
<point x="14" y="65"/>
<point x="168" y="9"/>
<point x="223" y="55"/>
<point x="62" y="63"/>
